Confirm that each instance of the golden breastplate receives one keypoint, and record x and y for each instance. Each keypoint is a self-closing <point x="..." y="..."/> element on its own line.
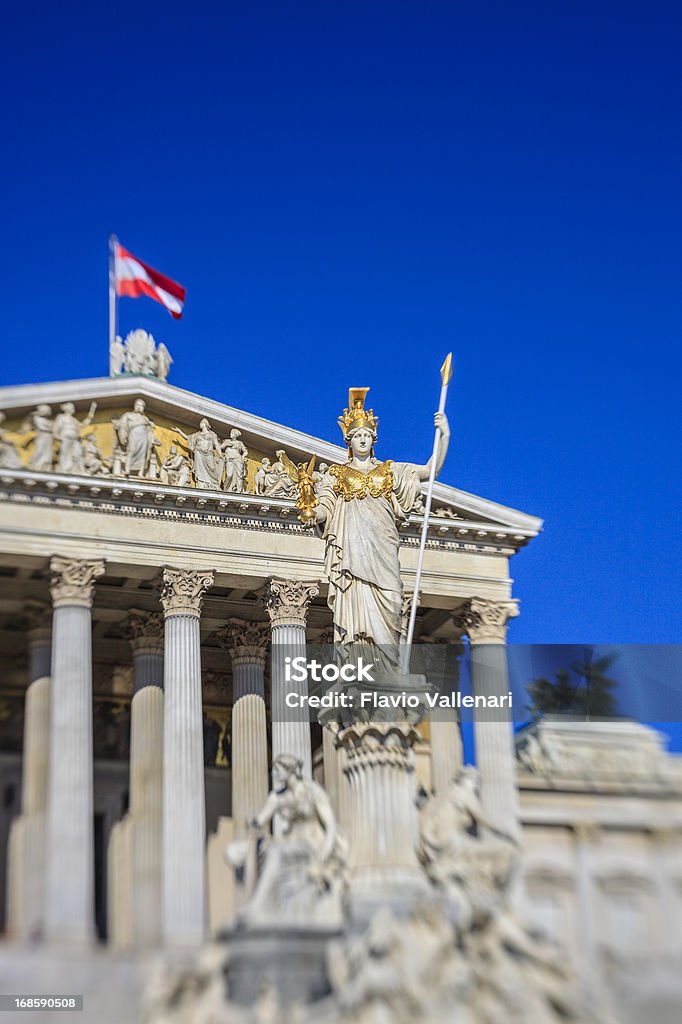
<point x="352" y="483"/>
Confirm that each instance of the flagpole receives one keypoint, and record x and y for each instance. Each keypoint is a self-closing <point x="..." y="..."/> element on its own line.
<point x="113" y="242"/>
<point x="445" y="377"/>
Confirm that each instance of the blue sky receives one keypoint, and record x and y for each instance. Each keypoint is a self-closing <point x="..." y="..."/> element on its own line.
<point x="350" y="190"/>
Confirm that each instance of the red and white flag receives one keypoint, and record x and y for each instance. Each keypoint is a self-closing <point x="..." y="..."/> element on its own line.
<point x="135" y="278"/>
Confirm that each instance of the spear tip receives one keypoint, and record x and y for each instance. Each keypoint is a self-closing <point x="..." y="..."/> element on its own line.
<point x="446" y="370"/>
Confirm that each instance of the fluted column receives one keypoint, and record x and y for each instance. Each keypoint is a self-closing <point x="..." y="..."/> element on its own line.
<point x="145" y="631"/>
<point x="444" y="734"/>
<point x="446" y="751"/>
<point x="26" y="847"/>
<point x="287" y="603"/>
<point x="486" y="625"/>
<point x="37" y="720"/>
<point x="247" y="643"/>
<point x="69" y="915"/>
<point x="333" y="758"/>
<point x="184" y="810"/>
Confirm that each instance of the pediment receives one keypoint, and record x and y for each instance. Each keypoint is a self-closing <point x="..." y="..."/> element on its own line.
<point x="454" y="511"/>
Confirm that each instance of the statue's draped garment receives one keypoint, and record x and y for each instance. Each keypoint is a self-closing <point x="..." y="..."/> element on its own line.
<point x="41" y="457"/>
<point x="67" y="430"/>
<point x="361" y="534"/>
<point x="135" y="432"/>
<point x="208" y="467"/>
<point x="235" y="465"/>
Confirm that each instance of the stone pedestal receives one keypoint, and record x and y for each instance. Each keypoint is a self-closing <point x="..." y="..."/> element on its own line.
<point x="184" y="811"/>
<point x="287" y="603"/>
<point x="292" y="961"/>
<point x="486" y="624"/>
<point x="26" y="848"/>
<point x="382" y="818"/>
<point x="70" y="847"/>
<point x="247" y="643"/>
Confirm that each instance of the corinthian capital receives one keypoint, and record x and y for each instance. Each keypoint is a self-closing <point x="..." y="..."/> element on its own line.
<point x="287" y="601"/>
<point x="145" y="632"/>
<point x="38" y="619"/>
<point x="182" y="590"/>
<point x="246" y="642"/>
<point x="486" y="621"/>
<point x="72" y="580"/>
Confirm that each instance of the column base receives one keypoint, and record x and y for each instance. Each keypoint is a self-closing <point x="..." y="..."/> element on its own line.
<point x="71" y="939"/>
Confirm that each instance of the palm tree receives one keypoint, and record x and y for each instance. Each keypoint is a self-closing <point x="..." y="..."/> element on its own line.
<point x="599" y="699"/>
<point x="561" y="697"/>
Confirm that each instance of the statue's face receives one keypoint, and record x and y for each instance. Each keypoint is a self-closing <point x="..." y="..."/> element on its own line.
<point x="204" y="425"/>
<point x="173" y="450"/>
<point x="69" y="408"/>
<point x="279" y="776"/>
<point x="139" y="405"/>
<point x="265" y="462"/>
<point x="361" y="442"/>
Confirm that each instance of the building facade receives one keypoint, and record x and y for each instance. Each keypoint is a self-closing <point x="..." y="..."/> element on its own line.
<point x="150" y="556"/>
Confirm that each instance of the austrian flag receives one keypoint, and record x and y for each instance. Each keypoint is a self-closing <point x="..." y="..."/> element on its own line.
<point x="135" y="278"/>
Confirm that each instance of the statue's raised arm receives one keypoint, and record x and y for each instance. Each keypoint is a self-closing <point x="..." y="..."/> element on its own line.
<point x="440" y="421"/>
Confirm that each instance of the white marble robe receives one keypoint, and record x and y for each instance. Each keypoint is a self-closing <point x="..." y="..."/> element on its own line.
<point x="135" y="432"/>
<point x="362" y="558"/>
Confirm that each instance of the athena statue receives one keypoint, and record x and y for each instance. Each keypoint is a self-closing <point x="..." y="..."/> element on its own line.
<point x="359" y="506"/>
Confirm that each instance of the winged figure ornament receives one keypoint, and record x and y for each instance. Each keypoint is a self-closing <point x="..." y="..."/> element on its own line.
<point x="302" y="475"/>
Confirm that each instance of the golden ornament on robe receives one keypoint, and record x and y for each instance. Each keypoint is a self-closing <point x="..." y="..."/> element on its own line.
<point x="353" y="483"/>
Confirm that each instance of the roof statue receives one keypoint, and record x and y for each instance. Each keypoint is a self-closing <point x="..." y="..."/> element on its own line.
<point x="139" y="354"/>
